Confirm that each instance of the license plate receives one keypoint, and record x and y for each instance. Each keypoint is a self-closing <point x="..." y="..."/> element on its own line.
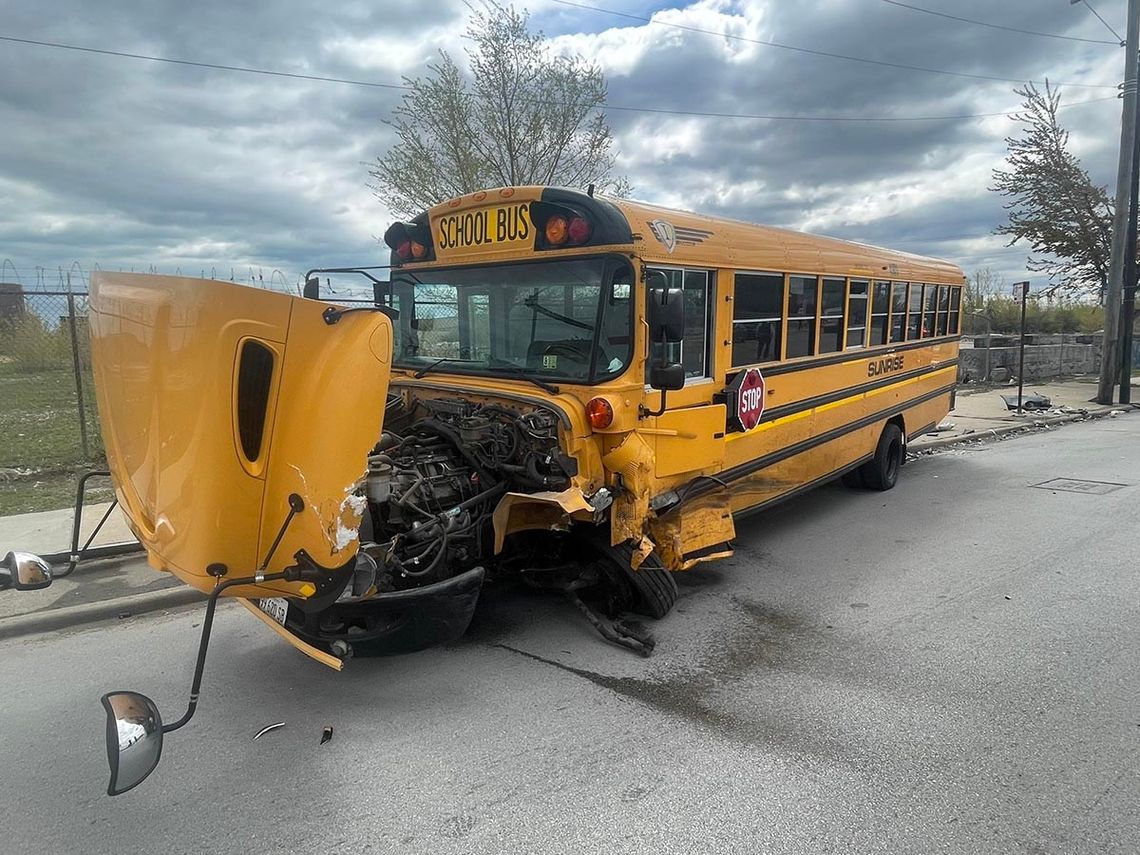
<point x="484" y="227"/>
<point x="276" y="607"/>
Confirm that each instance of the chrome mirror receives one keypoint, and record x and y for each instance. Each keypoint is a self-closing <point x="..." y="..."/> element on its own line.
<point x="134" y="739"/>
<point x="24" y="572"/>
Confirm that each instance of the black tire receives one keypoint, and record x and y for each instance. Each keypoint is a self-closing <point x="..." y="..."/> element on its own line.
<point x="653" y="588"/>
<point x="882" y="471"/>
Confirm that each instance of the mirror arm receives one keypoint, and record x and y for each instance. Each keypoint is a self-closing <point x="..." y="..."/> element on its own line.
<point x="648" y="413"/>
<point x="293" y="574"/>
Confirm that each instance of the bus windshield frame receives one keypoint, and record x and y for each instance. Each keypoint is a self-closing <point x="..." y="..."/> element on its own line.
<point x="565" y="319"/>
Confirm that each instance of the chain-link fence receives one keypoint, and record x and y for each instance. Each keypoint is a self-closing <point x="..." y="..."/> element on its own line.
<point x="49" y="429"/>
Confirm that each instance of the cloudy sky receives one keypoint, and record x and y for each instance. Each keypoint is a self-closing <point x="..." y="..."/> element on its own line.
<point x="127" y="163"/>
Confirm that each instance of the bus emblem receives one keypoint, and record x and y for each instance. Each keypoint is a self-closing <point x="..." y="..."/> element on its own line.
<point x="665" y="233"/>
<point x="670" y="236"/>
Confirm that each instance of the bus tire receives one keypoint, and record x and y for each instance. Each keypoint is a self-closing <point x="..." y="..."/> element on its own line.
<point x="654" y="591"/>
<point x="882" y="471"/>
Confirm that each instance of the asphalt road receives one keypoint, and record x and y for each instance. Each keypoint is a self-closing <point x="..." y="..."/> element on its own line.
<point x="948" y="667"/>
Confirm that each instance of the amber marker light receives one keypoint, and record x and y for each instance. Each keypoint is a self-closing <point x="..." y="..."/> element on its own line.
<point x="418" y="250"/>
<point x="599" y="413"/>
<point x="556" y="230"/>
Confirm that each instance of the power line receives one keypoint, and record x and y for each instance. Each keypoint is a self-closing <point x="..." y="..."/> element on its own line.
<point x="815" y="52"/>
<point x="615" y="107"/>
<point x="1117" y="43"/>
<point x="166" y="59"/>
<point x="1103" y="21"/>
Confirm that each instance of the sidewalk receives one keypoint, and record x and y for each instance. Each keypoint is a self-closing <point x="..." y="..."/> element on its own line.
<point x="980" y="413"/>
<point x="112" y="588"/>
<point x="121" y="588"/>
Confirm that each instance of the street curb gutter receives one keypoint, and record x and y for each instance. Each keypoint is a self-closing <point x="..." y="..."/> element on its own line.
<point x="1015" y="427"/>
<point x="68" y="617"/>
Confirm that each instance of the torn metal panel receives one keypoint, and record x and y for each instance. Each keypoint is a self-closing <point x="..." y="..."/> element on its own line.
<point x="545" y="510"/>
<point x="692" y="533"/>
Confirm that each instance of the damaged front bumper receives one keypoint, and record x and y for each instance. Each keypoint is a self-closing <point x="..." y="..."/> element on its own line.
<point x="389" y="623"/>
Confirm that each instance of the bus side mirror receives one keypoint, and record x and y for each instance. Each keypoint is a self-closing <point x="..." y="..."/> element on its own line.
<point x="312" y="288"/>
<point x="665" y="311"/>
<point x="667" y="377"/>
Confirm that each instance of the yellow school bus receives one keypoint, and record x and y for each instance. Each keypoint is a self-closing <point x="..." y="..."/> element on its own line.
<point x="582" y="391"/>
<point x="578" y="391"/>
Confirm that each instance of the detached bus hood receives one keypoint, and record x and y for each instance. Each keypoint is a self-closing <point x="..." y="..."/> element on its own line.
<point x="217" y="402"/>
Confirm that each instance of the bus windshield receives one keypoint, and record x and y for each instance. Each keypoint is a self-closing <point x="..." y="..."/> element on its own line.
<point x="567" y="319"/>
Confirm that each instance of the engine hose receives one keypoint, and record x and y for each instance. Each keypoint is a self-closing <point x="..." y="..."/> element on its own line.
<point x="434" y="562"/>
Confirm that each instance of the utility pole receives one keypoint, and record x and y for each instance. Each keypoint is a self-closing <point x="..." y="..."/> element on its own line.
<point x="1021" y="293"/>
<point x="1128" y="311"/>
<point x="1110" y="352"/>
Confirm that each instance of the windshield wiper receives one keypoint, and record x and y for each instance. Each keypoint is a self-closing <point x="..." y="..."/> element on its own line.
<point x="521" y="373"/>
<point x="431" y="366"/>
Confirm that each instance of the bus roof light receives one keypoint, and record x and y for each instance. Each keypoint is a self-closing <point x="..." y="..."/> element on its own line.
<point x="404" y="250"/>
<point x="579" y="230"/>
<point x="556" y="230"/>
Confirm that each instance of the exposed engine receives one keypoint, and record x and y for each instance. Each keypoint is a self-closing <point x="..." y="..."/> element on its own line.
<point x="435" y="477"/>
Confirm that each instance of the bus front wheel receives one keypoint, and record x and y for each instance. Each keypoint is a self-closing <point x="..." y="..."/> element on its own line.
<point x="881" y="472"/>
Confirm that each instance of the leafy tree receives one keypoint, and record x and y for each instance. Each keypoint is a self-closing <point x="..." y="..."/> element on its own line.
<point x="525" y="116"/>
<point x="1054" y="206"/>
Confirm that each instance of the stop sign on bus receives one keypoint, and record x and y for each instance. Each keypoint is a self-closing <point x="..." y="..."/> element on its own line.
<point x="749" y="398"/>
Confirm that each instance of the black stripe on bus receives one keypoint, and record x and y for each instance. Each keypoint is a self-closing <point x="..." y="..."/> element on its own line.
<point x="878" y="350"/>
<point x="851" y="391"/>
<point x="746" y="469"/>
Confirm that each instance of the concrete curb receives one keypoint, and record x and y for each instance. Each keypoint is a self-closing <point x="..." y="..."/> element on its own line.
<point x="51" y="619"/>
<point x="1014" y="427"/>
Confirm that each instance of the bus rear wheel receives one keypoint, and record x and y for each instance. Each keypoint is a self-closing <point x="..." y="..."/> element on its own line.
<point x="881" y="472"/>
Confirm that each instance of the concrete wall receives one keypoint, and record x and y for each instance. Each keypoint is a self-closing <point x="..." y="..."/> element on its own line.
<point x="1042" y="361"/>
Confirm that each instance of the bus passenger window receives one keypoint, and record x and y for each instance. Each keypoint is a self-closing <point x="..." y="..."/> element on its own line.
<point x="898" y="311"/>
<point x="757" y="315"/>
<point x="929" y="302"/>
<point x="880" y="306"/>
<point x="831" y="325"/>
<point x="955" y="308"/>
<point x="914" y="314"/>
<point x="856" y="314"/>
<point x="943" y="308"/>
<point x="801" y="316"/>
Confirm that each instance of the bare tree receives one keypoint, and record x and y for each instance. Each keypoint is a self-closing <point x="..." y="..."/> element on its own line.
<point x="1054" y="206"/>
<point x="526" y="116"/>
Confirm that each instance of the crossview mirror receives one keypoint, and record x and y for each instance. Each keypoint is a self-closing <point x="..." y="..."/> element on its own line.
<point x="134" y="739"/>
<point x="312" y="288"/>
<point x="665" y="312"/>
<point x="24" y="572"/>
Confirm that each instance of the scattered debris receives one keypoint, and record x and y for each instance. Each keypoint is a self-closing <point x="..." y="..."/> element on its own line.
<point x="326" y="734"/>
<point x="268" y="728"/>
<point x="942" y="428"/>
<point x="1029" y="401"/>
